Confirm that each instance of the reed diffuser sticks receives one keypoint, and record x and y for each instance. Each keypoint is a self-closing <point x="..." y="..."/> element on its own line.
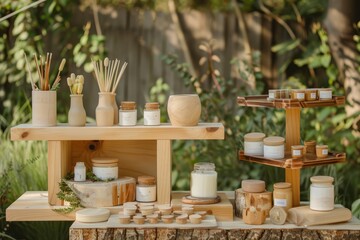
<point x="43" y="70"/>
<point x="108" y="74"/>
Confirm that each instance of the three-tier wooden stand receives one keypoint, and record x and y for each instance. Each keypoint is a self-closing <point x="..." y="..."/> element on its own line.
<point x="142" y="150"/>
<point x="292" y="110"/>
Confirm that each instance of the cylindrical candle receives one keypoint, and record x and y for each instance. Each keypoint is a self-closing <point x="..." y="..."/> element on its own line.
<point x="322" y="193"/>
<point x="274" y="147"/>
<point x="253" y="144"/>
<point x="283" y="195"/>
<point x="204" y="180"/>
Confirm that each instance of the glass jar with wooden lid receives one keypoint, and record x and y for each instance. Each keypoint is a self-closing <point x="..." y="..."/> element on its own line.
<point x="322" y="193"/>
<point x="152" y="114"/>
<point x="146" y="189"/>
<point x="253" y="143"/>
<point x="274" y="147"/>
<point x="283" y="195"/>
<point x="127" y="113"/>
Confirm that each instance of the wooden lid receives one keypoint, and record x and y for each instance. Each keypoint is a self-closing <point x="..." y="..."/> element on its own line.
<point x="254" y="137"/>
<point x="297" y="147"/>
<point x="167" y="216"/>
<point x="146" y="180"/>
<point x="310" y="142"/>
<point x="105" y="160"/>
<point x="128" y="105"/>
<point x="92" y="215"/>
<point x="105" y="164"/>
<point x="253" y="185"/>
<point x="274" y="141"/>
<point x="152" y="106"/>
<point x="122" y="216"/>
<point x="195" y="216"/>
<point x="321" y="146"/>
<point x="282" y="185"/>
<point x="322" y="179"/>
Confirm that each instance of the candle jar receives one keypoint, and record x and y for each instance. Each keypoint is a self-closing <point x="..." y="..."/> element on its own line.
<point x="273" y="94"/>
<point x="297" y="151"/>
<point x="253" y="144"/>
<point x="127" y="114"/>
<point x="322" y="151"/>
<point x="204" y="180"/>
<point x="310" y="146"/>
<point x="152" y="114"/>
<point x="310" y="94"/>
<point x="325" y="93"/>
<point x="284" y="93"/>
<point x="80" y="172"/>
<point x="298" y="94"/>
<point x="283" y="195"/>
<point x="146" y="189"/>
<point x="274" y="147"/>
<point x="105" y="168"/>
<point x="322" y="193"/>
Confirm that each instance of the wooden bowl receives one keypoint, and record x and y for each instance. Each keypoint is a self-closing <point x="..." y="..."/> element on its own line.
<point x="184" y="109"/>
<point x="195" y="218"/>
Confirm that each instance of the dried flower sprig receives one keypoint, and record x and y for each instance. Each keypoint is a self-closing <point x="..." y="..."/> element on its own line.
<point x="107" y="74"/>
<point x="43" y="70"/>
<point x="75" y="84"/>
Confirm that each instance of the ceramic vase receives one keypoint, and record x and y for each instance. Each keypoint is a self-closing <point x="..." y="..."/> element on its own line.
<point x="184" y="109"/>
<point x="116" y="110"/>
<point x="105" y="110"/>
<point x="77" y="114"/>
<point x="43" y="108"/>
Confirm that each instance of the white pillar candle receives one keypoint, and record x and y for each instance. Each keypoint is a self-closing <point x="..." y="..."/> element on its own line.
<point x="204" y="181"/>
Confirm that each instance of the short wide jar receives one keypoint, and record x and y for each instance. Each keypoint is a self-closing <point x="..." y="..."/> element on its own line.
<point x="283" y="195"/>
<point x="253" y="143"/>
<point x="274" y="147"/>
<point x="297" y="151"/>
<point x="204" y="180"/>
<point x="322" y="193"/>
<point x="105" y="168"/>
<point x="322" y="151"/>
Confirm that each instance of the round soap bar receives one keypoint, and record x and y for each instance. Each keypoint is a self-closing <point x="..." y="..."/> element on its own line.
<point x="92" y="215"/>
<point x="278" y="215"/>
<point x="253" y="186"/>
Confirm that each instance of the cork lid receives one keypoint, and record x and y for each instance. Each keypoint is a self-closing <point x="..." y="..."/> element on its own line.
<point x="274" y="141"/>
<point x="322" y="179"/>
<point x="297" y="147"/>
<point x="105" y="164"/>
<point x="146" y="180"/>
<point x="254" y="137"/>
<point x="282" y="185"/>
<point x="321" y="146"/>
<point x="128" y="105"/>
<point x="92" y="215"/>
<point x="152" y="106"/>
<point x="105" y="160"/>
<point x="253" y="185"/>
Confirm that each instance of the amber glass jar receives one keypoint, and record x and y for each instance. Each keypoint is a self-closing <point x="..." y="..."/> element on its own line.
<point x="283" y="195"/>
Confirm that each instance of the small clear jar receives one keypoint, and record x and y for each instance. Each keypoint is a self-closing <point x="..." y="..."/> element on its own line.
<point x="311" y="94"/>
<point x="152" y="114"/>
<point x="127" y="114"/>
<point x="204" y="180"/>
<point x="146" y="189"/>
<point x="298" y="94"/>
<point x="322" y="193"/>
<point x="80" y="172"/>
<point x="274" y="147"/>
<point x="283" y="195"/>
<point x="253" y="143"/>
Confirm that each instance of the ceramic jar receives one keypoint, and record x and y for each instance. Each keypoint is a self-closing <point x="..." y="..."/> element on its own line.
<point x="77" y="114"/>
<point x="146" y="189"/>
<point x="322" y="193"/>
<point x="105" y="110"/>
<point x="184" y="109"/>
<point x="204" y="180"/>
<point x="253" y="143"/>
<point x="80" y="172"/>
<point x="43" y="110"/>
<point x="274" y="147"/>
<point x="152" y="114"/>
<point x="105" y="168"/>
<point x="127" y="113"/>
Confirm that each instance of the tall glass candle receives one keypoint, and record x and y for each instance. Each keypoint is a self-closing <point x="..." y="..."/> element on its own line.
<point x="204" y="180"/>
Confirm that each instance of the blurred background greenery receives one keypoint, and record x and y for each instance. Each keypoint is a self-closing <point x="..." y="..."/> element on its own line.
<point x="303" y="57"/>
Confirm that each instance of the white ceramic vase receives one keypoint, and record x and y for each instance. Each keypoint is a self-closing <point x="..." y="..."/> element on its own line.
<point x="43" y="108"/>
<point x="77" y="114"/>
<point x="184" y="109"/>
<point x="105" y="110"/>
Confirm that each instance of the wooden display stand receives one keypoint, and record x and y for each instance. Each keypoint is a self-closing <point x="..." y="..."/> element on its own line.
<point x="142" y="150"/>
<point x="292" y="110"/>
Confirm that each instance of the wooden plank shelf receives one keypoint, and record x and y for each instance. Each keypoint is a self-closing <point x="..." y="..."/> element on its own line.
<point x="262" y="101"/>
<point x="309" y="160"/>
<point x="165" y="131"/>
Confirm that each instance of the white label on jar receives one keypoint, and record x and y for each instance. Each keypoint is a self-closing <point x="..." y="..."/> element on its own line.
<point x="127" y="118"/>
<point x="324" y="152"/>
<point x="300" y="95"/>
<point x="271" y="95"/>
<point x="203" y="185"/>
<point x="152" y="117"/>
<point x="313" y="95"/>
<point x="146" y="193"/>
<point x="275" y="152"/>
<point x="297" y="152"/>
<point x="280" y="202"/>
<point x="254" y="148"/>
<point x="105" y="173"/>
<point x="325" y="94"/>
<point x="322" y="198"/>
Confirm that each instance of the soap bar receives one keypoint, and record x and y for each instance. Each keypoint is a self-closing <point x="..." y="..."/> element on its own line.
<point x="304" y="216"/>
<point x="253" y="186"/>
<point x="93" y="215"/>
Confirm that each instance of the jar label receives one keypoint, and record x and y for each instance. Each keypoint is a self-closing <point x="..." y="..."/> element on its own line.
<point x="325" y="94"/>
<point x="324" y="152"/>
<point x="297" y="152"/>
<point x="127" y="118"/>
<point x="152" y="118"/>
<point x="280" y="202"/>
<point x="313" y="95"/>
<point x="300" y="95"/>
<point x="271" y="95"/>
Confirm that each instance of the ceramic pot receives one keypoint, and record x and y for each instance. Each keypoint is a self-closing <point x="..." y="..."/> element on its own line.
<point x="43" y="108"/>
<point x="77" y="114"/>
<point x="184" y="109"/>
<point x="105" y="111"/>
<point x="116" y="110"/>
